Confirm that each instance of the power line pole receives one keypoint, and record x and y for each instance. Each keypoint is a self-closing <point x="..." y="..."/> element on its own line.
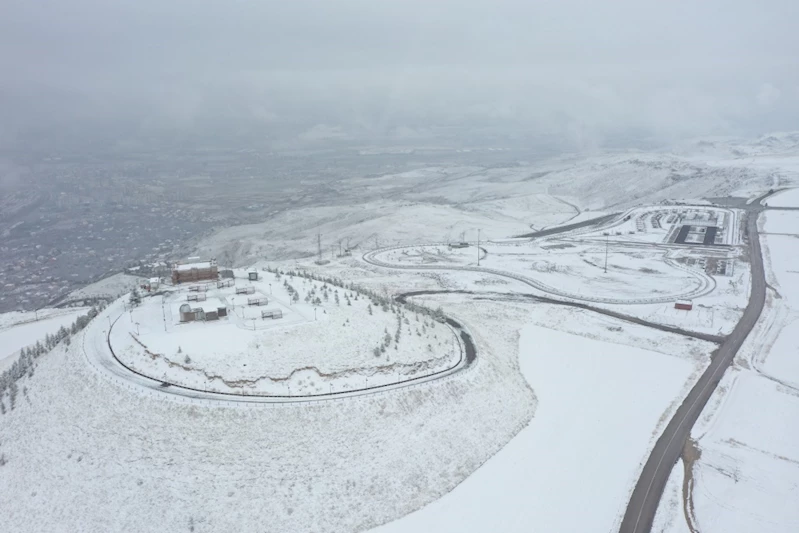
<point x="478" y="246"/>
<point x="319" y="246"/>
<point x="606" y="253"/>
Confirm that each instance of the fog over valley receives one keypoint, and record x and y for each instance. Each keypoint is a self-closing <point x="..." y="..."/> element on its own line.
<point x="399" y="266"/>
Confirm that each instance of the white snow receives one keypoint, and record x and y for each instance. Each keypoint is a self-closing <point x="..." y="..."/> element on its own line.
<point x="750" y="459"/>
<point x="749" y="466"/>
<point x="314" y="348"/>
<point x="184" y="267"/>
<point x="787" y="198"/>
<point x="21" y="329"/>
<point x="670" y="516"/>
<point x="110" y="287"/>
<point x="781" y="222"/>
<point x="599" y="404"/>
<point x="86" y="452"/>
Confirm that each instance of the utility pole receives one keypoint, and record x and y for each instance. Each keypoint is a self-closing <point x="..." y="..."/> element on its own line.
<point x="606" y="252"/>
<point x="319" y="246"/>
<point x="478" y="246"/>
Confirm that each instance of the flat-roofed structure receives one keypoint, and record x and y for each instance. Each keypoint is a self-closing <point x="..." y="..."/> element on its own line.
<point x="197" y="271"/>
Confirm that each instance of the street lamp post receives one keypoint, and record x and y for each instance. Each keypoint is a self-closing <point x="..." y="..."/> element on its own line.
<point x="314" y="313"/>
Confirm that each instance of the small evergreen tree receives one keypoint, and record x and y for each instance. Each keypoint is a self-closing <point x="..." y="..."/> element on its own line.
<point x="135" y="298"/>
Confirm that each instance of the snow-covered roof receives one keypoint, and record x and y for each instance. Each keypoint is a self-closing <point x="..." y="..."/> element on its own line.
<point x="211" y="304"/>
<point x="189" y="266"/>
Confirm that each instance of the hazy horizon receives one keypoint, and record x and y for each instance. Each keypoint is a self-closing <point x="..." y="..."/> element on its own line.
<point x="318" y="70"/>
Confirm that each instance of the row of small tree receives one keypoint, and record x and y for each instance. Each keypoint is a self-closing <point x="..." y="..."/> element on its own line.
<point x="26" y="362"/>
<point x="384" y="300"/>
<point x="376" y="300"/>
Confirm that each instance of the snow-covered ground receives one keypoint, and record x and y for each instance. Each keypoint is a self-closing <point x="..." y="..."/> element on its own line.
<point x="670" y="515"/>
<point x="109" y="288"/>
<point x="547" y="431"/>
<point x="748" y="471"/>
<point x="574" y="269"/>
<point x="787" y="198"/>
<point x="102" y="455"/>
<point x="599" y="408"/>
<point x="316" y="347"/>
<point x="441" y="203"/>
<point x="21" y="329"/>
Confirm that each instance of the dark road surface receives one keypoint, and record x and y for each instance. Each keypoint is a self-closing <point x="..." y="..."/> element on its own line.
<point x="569" y="227"/>
<point x="643" y="504"/>
<point x="117" y="367"/>
<point x="578" y="305"/>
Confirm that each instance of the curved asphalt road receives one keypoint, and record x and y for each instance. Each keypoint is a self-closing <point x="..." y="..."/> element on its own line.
<point x="101" y="355"/>
<point x="643" y="504"/>
<point x="568" y="227"/>
<point x="579" y="305"/>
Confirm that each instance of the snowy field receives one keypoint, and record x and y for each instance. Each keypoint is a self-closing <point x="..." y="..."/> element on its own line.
<point x="787" y="198"/>
<point x="715" y="313"/>
<point x="110" y="287"/>
<point x="748" y="469"/>
<point x="328" y="340"/>
<point x="568" y="268"/>
<point x="21" y="329"/>
<point x="599" y="406"/>
<point x="546" y="432"/>
<point x="102" y="456"/>
<point x="439" y="204"/>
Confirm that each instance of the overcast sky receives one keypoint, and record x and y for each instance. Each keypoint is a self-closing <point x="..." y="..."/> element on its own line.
<point x="673" y="68"/>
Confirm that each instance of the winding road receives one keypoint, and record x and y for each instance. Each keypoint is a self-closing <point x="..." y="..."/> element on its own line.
<point x="569" y="227"/>
<point x="640" y="512"/>
<point x="100" y="354"/>
<point x="705" y="283"/>
<point x="644" y="501"/>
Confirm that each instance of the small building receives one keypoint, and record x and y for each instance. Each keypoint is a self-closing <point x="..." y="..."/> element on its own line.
<point x="252" y="275"/>
<point x="225" y="283"/>
<point x="151" y="284"/>
<point x="226" y="274"/>
<point x="199" y="297"/>
<point x="201" y="270"/>
<point x="186" y="314"/>
<point x="245" y="290"/>
<point x="685" y="305"/>
<point x="203" y="312"/>
<point x="258" y="300"/>
<point x="272" y="313"/>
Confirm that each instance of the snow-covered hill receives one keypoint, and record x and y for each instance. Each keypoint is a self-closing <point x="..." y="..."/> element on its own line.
<point x="442" y="203"/>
